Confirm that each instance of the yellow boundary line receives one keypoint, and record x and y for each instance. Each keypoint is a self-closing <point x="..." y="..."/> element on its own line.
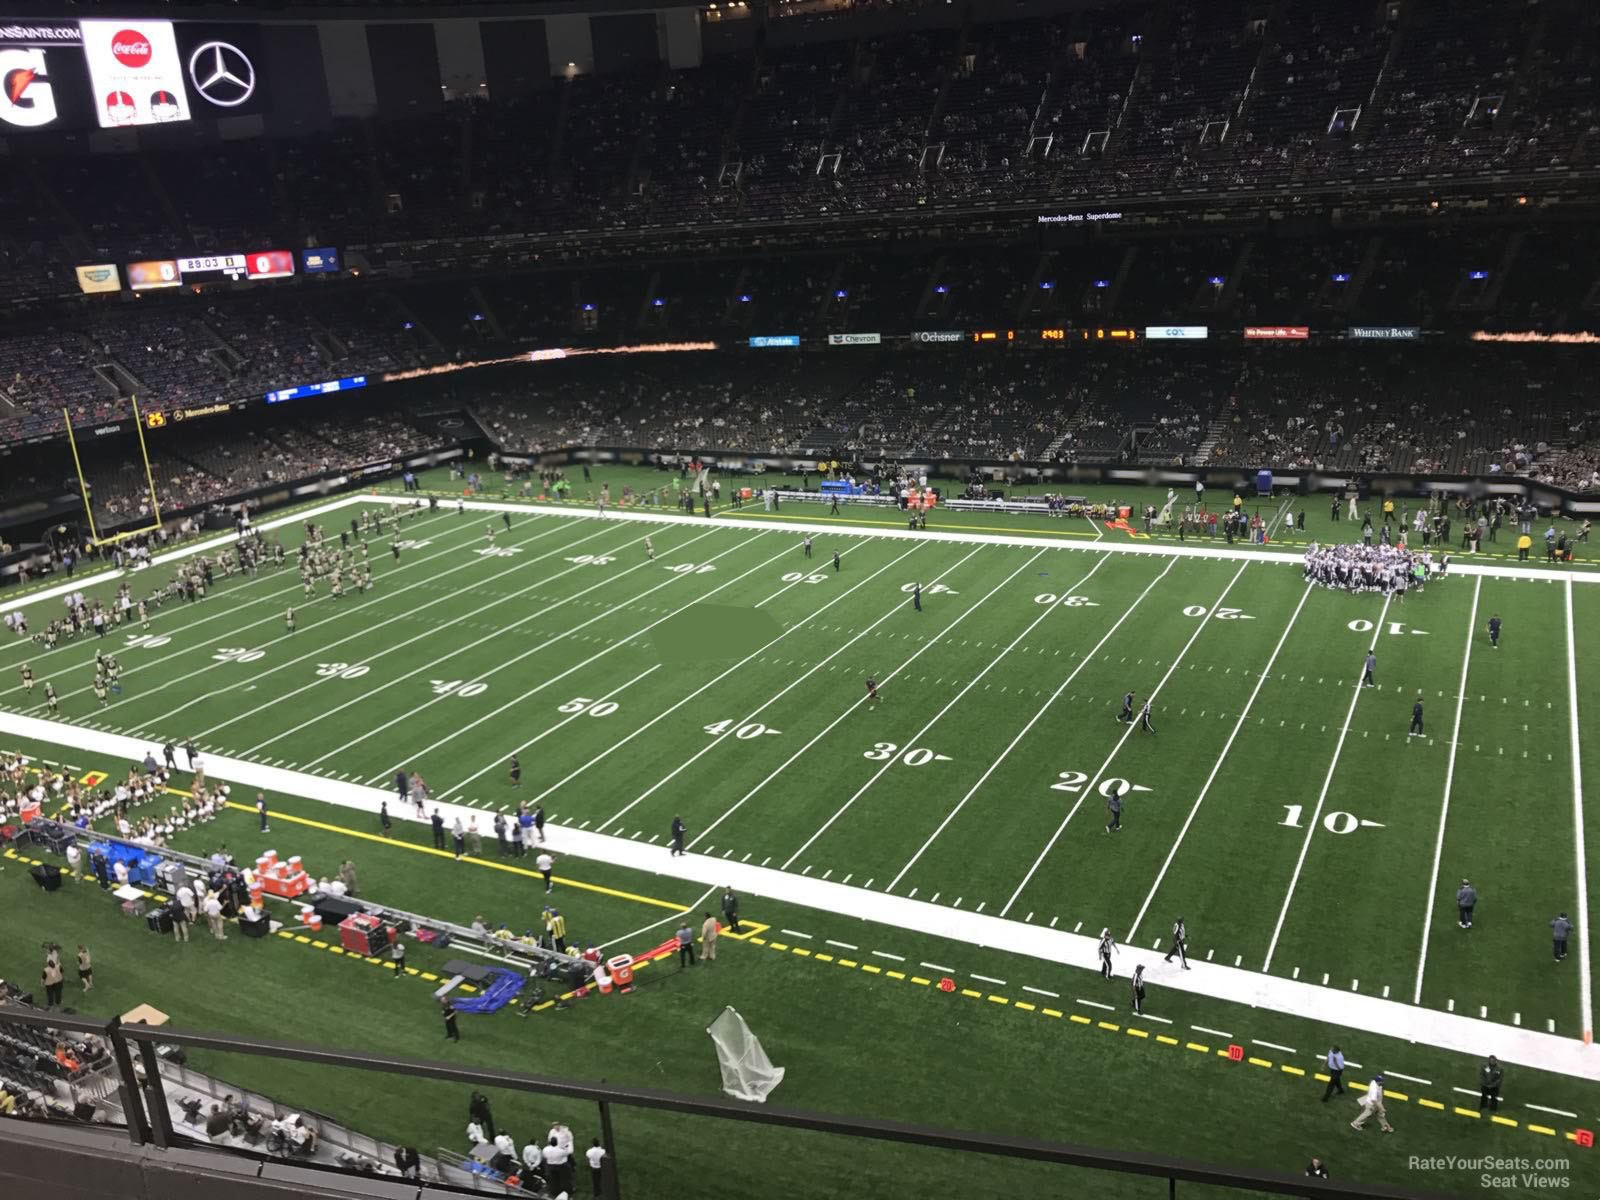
<point x="753" y="930"/>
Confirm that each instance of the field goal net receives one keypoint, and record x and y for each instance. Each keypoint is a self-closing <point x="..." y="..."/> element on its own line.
<point x="747" y="1072"/>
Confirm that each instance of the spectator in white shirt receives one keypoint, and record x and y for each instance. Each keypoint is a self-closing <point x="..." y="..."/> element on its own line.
<point x="563" y="1137"/>
<point x="475" y="1134"/>
<point x="596" y="1154"/>
<point x="505" y="1144"/>
<point x="558" y="1166"/>
<point x="532" y="1156"/>
<point x="1371" y="1103"/>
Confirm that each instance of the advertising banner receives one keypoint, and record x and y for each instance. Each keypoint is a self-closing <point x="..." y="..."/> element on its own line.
<point x="98" y="277"/>
<point x="776" y="339"/>
<point x="939" y="335"/>
<point x="153" y="273"/>
<point x="1276" y="333"/>
<point x="1176" y="332"/>
<point x="135" y="71"/>
<point x="1385" y="333"/>
<point x="855" y="339"/>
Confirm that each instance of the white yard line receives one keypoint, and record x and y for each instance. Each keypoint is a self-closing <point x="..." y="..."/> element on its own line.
<point x="1205" y="788"/>
<point x="1089" y="788"/>
<point x="1327" y="782"/>
<point x="667" y="712"/>
<point x="1431" y="898"/>
<point x="156" y="560"/>
<point x="358" y="607"/>
<point x="916" y="738"/>
<point x="325" y="647"/>
<point x="231" y="604"/>
<point x="175" y="607"/>
<point x="1455" y="1032"/>
<point x="1585" y="980"/>
<point x="899" y="606"/>
<point x="815" y="738"/>
<point x="595" y="657"/>
<point x="1034" y="720"/>
<point x="470" y="615"/>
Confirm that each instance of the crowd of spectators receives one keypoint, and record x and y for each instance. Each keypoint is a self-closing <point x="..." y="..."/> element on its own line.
<point x="1099" y="104"/>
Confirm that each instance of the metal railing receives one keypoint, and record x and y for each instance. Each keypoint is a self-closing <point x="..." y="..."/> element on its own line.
<point x="149" y="1121"/>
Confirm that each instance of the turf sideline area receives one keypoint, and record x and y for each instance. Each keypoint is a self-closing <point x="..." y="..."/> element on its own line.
<point x="1458" y="564"/>
<point x="1392" y="1018"/>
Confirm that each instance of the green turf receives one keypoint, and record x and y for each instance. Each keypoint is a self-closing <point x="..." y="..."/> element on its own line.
<point x="810" y="1013"/>
<point x="975" y="780"/>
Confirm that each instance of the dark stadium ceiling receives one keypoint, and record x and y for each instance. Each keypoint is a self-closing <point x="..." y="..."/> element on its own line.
<point x="881" y="11"/>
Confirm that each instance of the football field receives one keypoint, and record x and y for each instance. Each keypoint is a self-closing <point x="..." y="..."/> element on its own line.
<point x="646" y="668"/>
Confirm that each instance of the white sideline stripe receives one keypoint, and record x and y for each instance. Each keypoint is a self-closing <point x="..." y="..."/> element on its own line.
<point x="360" y="607"/>
<point x="668" y="711"/>
<point x="937" y="967"/>
<point x="817" y="737"/>
<point x="1095" y="1004"/>
<point x="841" y="945"/>
<point x="932" y="721"/>
<point x="798" y="934"/>
<point x="886" y="954"/>
<point x="1565" y="1056"/>
<point x="1327" y="782"/>
<point x="1408" y="1078"/>
<point x="1292" y="1050"/>
<point x="988" y="979"/>
<point x="1194" y="809"/>
<point x="976" y="538"/>
<point x="1585" y="979"/>
<point x="711" y="745"/>
<point x="1431" y="898"/>
<point x="408" y="641"/>
<point x="1213" y="1032"/>
<point x="1088" y="788"/>
<point x="1034" y="720"/>
<point x="1041" y="992"/>
<point x="548" y="642"/>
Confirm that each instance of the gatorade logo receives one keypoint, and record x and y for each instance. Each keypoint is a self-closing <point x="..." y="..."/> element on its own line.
<point x="131" y="48"/>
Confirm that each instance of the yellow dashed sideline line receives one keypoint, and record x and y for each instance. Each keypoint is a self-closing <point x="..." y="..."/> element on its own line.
<point x="750" y="934"/>
<point x="1165" y="1040"/>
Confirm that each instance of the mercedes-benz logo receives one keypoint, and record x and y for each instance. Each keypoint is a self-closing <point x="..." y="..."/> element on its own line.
<point x="222" y="73"/>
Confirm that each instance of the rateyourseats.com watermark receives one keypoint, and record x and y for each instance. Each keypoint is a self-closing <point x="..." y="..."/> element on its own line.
<point x="1499" y="1173"/>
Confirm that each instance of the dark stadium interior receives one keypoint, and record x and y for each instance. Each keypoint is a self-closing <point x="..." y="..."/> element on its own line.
<point x="1014" y="241"/>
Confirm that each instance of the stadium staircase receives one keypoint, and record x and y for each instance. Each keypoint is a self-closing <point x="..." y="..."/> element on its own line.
<point x="1215" y="432"/>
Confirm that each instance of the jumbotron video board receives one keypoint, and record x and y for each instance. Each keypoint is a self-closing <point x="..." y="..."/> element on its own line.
<point x="117" y="73"/>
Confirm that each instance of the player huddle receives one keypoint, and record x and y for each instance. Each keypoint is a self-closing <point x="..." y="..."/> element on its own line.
<point x="1386" y="569"/>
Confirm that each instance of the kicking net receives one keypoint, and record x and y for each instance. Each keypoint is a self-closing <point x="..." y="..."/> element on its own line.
<point x="747" y="1072"/>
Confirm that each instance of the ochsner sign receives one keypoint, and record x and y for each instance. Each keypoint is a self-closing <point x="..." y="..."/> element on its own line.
<point x="939" y="335"/>
<point x="1171" y="332"/>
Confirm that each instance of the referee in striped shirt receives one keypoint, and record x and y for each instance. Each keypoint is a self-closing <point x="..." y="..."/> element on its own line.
<point x="1180" y="939"/>
<point x="1138" y="989"/>
<point x="1108" y="947"/>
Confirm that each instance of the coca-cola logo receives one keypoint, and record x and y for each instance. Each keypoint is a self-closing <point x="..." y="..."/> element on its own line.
<point x="130" y="48"/>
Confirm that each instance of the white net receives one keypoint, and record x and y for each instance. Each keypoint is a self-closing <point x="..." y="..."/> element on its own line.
<point x="747" y="1072"/>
